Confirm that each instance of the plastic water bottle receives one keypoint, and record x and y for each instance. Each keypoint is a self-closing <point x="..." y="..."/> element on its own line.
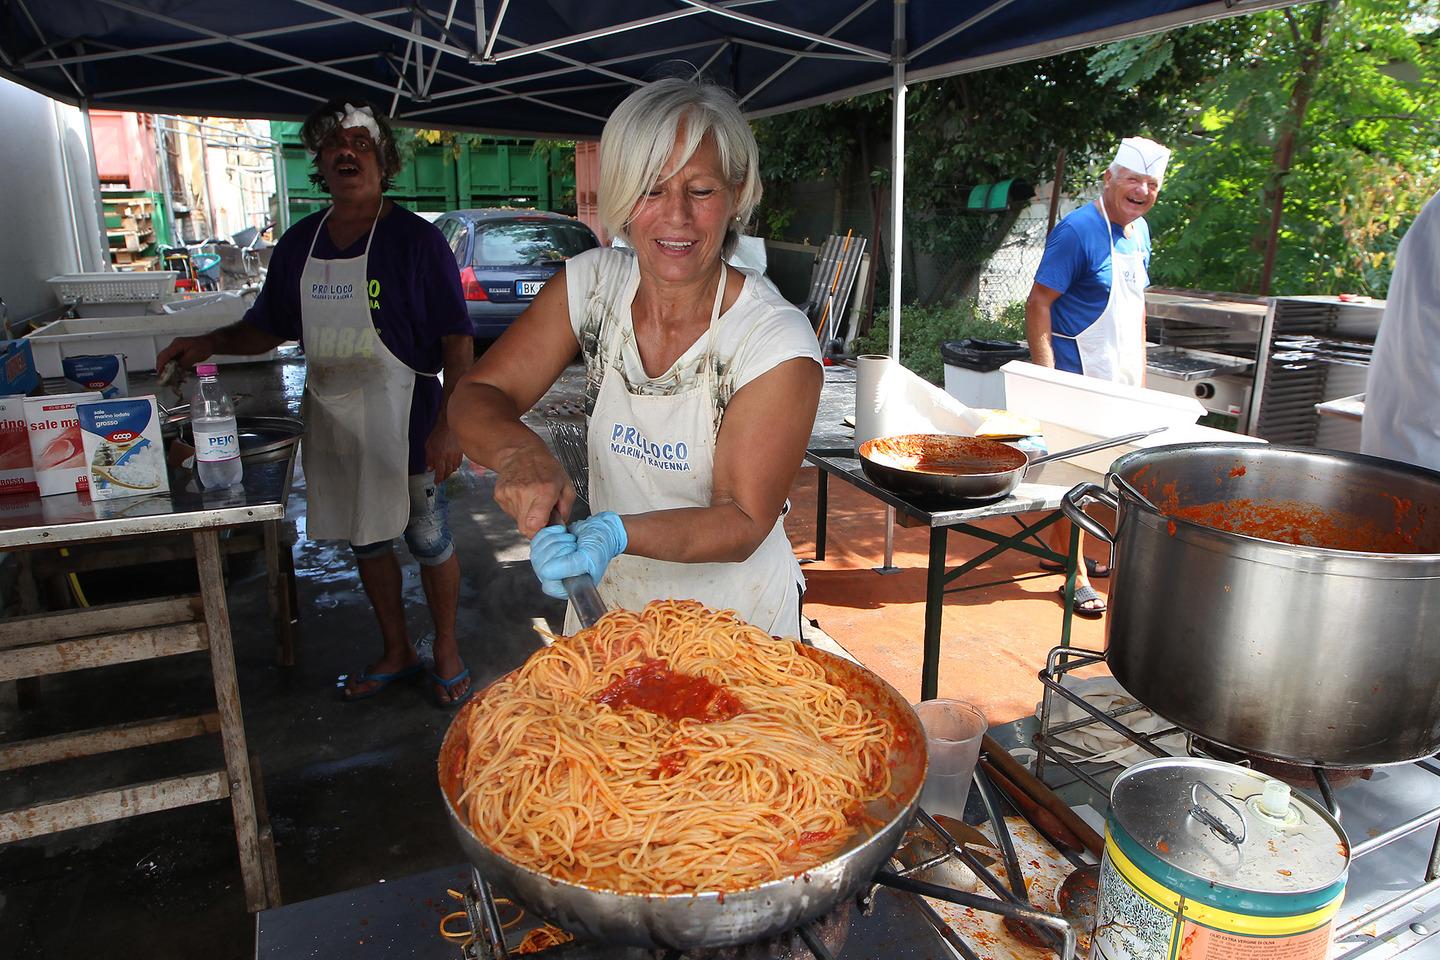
<point x="217" y="438"/>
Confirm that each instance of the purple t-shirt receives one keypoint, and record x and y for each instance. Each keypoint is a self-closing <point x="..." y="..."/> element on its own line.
<point x="415" y="300"/>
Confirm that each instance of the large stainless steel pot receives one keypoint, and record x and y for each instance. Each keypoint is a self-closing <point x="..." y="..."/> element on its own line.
<point x="1326" y="657"/>
<point x="695" y="921"/>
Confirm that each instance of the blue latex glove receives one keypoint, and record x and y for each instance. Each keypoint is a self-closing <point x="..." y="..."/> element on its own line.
<point x="587" y="547"/>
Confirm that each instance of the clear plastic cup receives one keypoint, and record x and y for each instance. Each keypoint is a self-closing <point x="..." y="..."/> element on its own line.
<point x="953" y="729"/>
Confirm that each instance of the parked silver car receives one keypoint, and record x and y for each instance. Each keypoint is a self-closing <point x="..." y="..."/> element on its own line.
<point x="505" y="257"/>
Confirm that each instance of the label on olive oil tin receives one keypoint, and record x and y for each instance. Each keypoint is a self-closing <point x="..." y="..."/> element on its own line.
<point x="1139" y="919"/>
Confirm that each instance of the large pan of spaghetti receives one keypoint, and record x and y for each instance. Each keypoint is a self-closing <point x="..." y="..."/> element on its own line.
<point x="677" y="778"/>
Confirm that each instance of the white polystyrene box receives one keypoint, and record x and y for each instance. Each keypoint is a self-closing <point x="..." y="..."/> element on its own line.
<point x="1095" y="406"/>
<point x="1074" y="410"/>
<point x="138" y="338"/>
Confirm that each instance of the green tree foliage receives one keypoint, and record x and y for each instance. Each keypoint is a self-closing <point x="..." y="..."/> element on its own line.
<point x="1365" y="157"/>
<point x="922" y="329"/>
<point x="1010" y="121"/>
<point x="1328" y="109"/>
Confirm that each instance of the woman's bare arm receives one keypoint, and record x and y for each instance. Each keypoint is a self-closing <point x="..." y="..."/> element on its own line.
<point x="508" y="380"/>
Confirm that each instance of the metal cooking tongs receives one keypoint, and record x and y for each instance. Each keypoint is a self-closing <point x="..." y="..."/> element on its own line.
<point x="589" y="607"/>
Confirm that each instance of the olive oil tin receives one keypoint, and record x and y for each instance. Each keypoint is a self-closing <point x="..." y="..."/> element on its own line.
<point x="1210" y="861"/>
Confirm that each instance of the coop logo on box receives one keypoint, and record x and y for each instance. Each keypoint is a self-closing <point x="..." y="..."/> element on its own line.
<point x="122" y="436"/>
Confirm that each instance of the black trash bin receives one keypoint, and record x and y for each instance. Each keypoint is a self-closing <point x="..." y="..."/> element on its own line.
<point x="972" y="369"/>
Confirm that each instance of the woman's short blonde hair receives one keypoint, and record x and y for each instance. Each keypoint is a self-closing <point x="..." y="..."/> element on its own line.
<point x="640" y="135"/>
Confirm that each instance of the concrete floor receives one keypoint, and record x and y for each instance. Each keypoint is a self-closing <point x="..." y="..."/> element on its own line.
<point x="351" y="787"/>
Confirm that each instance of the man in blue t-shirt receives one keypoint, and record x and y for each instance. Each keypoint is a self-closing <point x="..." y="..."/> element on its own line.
<point x="1086" y="312"/>
<point x="373" y="294"/>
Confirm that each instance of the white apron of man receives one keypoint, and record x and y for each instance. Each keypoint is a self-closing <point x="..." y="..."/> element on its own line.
<point x="356" y="410"/>
<point x="651" y="453"/>
<point x="1113" y="347"/>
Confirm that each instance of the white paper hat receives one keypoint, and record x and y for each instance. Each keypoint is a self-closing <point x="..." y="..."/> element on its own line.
<point x="1142" y="156"/>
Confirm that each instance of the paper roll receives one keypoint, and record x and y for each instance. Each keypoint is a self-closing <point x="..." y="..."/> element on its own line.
<point x="891" y="400"/>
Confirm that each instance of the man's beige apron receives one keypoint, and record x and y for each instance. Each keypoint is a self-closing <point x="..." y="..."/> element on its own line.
<point x="356" y="450"/>
<point x="656" y="453"/>
<point x="1113" y="347"/>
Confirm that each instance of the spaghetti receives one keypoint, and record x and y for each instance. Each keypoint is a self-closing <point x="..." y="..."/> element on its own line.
<point x="670" y="751"/>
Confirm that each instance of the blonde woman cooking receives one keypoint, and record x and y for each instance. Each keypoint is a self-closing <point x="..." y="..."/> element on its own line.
<point x="701" y="381"/>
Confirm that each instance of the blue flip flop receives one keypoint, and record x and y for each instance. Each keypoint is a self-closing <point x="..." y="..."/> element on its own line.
<point x="381" y="681"/>
<point x="450" y="684"/>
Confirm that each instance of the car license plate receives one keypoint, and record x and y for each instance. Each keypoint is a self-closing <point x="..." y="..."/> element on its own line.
<point x="528" y="288"/>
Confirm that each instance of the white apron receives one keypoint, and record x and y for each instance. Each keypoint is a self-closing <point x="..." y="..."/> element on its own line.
<point x="1113" y="347"/>
<point x="658" y="452"/>
<point x="356" y="409"/>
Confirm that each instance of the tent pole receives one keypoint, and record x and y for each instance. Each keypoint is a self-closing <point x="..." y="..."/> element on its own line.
<point x="106" y="262"/>
<point x="897" y="219"/>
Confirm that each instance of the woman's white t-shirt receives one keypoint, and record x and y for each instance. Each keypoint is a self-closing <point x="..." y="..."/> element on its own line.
<point x="760" y="330"/>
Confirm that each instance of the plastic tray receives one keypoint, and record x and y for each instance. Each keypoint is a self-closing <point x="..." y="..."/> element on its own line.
<point x="139" y="286"/>
<point x="139" y="338"/>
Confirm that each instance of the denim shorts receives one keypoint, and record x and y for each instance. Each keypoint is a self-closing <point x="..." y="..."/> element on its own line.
<point x="428" y="532"/>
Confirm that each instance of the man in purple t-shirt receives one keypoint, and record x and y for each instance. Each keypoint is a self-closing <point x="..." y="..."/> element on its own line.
<point x="373" y="294"/>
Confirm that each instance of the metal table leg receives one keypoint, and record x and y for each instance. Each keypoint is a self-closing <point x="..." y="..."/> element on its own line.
<point x="822" y="508"/>
<point x="934" y="607"/>
<point x="258" y="895"/>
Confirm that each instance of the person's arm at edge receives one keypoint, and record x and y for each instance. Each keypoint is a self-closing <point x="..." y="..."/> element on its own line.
<point x="1037" y="324"/>
<point x="757" y="455"/>
<point x="239" y="338"/>
<point x="485" y="407"/>
<point x="442" y="447"/>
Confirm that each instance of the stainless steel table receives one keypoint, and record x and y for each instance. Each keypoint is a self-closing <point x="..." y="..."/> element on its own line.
<point x="55" y="642"/>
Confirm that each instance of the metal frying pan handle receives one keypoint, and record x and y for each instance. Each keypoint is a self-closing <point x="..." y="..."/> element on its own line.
<point x="1073" y="506"/>
<point x="1092" y="447"/>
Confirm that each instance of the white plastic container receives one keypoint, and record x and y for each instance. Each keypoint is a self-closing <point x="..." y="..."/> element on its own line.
<point x="124" y="451"/>
<point x="139" y="338"/>
<point x="55" y="444"/>
<point x="17" y="470"/>
<point x="111" y="286"/>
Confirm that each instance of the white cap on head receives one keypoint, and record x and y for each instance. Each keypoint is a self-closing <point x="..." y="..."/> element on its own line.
<point x="1143" y="156"/>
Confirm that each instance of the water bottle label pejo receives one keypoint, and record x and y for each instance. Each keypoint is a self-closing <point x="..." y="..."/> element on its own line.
<point x="214" y="446"/>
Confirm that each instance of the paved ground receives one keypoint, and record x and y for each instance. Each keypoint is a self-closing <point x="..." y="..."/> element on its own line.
<point x="351" y="787"/>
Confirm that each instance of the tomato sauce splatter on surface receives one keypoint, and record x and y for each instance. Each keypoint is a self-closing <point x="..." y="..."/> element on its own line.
<point x="653" y="686"/>
<point x="1237" y="472"/>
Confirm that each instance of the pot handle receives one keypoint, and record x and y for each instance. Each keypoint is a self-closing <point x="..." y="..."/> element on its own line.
<point x="1073" y="507"/>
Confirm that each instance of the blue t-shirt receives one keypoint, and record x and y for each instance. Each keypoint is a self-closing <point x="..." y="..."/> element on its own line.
<point x="1076" y="264"/>
<point x="417" y="300"/>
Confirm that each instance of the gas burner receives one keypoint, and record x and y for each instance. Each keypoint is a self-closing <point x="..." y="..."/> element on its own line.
<point x="1293" y="774"/>
<point x="1390" y="820"/>
<point x="820" y="939"/>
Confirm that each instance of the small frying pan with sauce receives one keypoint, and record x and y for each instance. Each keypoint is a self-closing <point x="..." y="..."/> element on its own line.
<point x="960" y="468"/>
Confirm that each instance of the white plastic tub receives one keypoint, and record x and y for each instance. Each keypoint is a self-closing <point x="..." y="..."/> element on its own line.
<point x="139" y="338"/>
<point x="1074" y="410"/>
